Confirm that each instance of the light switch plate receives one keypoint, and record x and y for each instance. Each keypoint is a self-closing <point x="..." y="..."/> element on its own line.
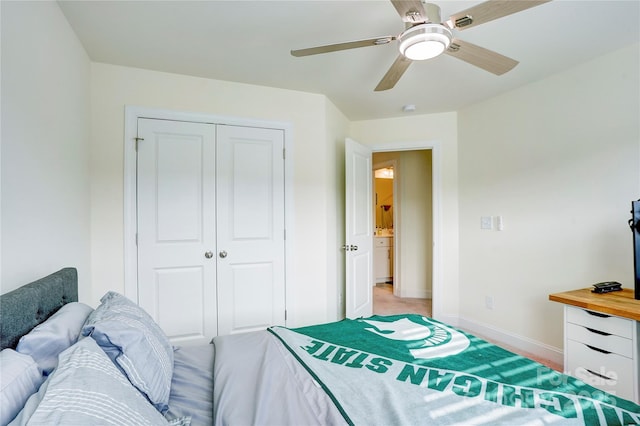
<point x="486" y="222"/>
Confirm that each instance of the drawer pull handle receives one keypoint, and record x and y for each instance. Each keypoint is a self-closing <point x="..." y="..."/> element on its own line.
<point x="597" y="314"/>
<point x="599" y="375"/>
<point x="602" y="333"/>
<point x="593" y="348"/>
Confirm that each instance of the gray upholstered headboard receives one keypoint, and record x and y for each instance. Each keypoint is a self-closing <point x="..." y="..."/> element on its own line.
<point x="27" y="306"/>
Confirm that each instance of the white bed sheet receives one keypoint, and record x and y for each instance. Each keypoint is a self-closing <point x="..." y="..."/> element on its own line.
<point x="192" y="384"/>
<point x="259" y="382"/>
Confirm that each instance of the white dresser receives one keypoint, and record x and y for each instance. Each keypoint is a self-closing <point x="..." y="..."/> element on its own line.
<point x="602" y="340"/>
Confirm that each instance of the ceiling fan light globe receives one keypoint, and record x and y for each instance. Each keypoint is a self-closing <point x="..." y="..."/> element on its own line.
<point x="424" y="50"/>
<point x="424" y="41"/>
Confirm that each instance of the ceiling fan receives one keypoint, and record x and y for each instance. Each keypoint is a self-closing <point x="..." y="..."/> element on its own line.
<point x="426" y="37"/>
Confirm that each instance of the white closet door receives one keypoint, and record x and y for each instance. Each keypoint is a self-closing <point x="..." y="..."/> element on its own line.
<point x="250" y="228"/>
<point x="176" y="219"/>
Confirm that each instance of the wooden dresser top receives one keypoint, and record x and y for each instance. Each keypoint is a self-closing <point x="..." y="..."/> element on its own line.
<point x="618" y="303"/>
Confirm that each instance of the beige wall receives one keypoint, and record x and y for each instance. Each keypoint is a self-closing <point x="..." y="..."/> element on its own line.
<point x="559" y="160"/>
<point x="114" y="87"/>
<point x="416" y="223"/>
<point x="45" y="129"/>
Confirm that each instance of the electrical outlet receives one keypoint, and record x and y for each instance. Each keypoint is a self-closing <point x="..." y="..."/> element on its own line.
<point x="486" y="222"/>
<point x="488" y="302"/>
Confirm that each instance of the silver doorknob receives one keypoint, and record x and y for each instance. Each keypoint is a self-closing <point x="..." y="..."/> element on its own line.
<point x="353" y="248"/>
<point x="208" y="255"/>
<point x="222" y="254"/>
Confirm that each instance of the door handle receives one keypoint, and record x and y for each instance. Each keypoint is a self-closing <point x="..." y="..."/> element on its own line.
<point x="222" y="254"/>
<point x="354" y="248"/>
<point x="348" y="247"/>
<point x="208" y="255"/>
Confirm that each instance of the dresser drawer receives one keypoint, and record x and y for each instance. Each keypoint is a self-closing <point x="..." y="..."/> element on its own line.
<point x="609" y="324"/>
<point x="609" y="372"/>
<point x="608" y="342"/>
<point x="383" y="242"/>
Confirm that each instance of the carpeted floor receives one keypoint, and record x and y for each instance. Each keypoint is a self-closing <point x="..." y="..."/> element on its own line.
<point x="385" y="303"/>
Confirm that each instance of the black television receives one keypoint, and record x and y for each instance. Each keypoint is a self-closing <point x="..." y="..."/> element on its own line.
<point x="634" y="223"/>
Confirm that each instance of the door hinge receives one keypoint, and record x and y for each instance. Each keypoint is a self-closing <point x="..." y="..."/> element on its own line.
<point x="136" y="139"/>
<point x="285" y="314"/>
<point x="136" y="238"/>
<point x="285" y="234"/>
<point x="284" y="153"/>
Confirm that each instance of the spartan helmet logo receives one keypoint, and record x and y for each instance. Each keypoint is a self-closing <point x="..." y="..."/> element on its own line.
<point x="433" y="340"/>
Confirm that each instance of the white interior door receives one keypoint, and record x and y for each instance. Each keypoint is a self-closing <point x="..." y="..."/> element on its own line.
<point x="250" y="231"/>
<point x="176" y="219"/>
<point x="359" y="230"/>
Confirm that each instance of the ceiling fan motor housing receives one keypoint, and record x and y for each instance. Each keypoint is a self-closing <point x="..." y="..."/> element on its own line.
<point x="424" y="41"/>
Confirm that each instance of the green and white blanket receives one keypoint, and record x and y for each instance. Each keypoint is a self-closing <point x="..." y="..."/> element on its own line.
<point x="410" y="370"/>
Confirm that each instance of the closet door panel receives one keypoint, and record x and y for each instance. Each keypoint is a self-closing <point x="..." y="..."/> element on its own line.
<point x="178" y="187"/>
<point x="176" y="218"/>
<point x="250" y="228"/>
<point x="250" y="301"/>
<point x="251" y="194"/>
<point x="210" y="228"/>
<point x="177" y="284"/>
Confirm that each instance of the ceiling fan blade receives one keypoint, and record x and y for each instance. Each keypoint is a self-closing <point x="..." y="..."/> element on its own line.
<point x="410" y="11"/>
<point x="490" y="10"/>
<point x="343" y="46"/>
<point x="480" y="57"/>
<point x="392" y="76"/>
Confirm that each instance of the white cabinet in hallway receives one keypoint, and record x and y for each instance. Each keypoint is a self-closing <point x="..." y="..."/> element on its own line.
<point x="383" y="259"/>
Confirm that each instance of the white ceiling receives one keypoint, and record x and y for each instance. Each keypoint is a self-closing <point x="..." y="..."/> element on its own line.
<point x="250" y="41"/>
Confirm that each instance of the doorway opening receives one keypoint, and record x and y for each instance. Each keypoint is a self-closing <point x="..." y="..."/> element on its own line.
<point x="404" y="234"/>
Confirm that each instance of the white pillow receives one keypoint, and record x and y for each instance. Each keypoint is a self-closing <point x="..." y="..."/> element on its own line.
<point x="136" y="344"/>
<point x="20" y="377"/>
<point x="87" y="389"/>
<point x="46" y="341"/>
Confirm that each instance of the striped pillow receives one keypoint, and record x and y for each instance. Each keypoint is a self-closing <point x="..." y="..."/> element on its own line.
<point x="20" y="377"/>
<point x="136" y="344"/>
<point x="88" y="389"/>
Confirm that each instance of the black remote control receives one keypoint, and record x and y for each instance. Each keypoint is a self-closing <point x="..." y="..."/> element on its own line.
<point x="606" y="287"/>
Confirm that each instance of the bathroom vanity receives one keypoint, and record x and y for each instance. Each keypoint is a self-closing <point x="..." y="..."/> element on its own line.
<point x="383" y="258"/>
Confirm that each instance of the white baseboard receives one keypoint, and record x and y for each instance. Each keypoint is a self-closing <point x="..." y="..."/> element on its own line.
<point x="418" y="294"/>
<point x="516" y="341"/>
<point x="447" y="319"/>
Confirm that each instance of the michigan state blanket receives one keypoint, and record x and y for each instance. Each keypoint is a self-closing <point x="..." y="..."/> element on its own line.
<point x="410" y="370"/>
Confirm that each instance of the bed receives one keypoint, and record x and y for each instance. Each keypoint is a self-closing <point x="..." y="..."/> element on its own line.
<point x="63" y="362"/>
<point x="51" y="373"/>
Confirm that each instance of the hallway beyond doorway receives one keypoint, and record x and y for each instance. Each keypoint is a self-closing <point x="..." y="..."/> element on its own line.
<point x="385" y="303"/>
